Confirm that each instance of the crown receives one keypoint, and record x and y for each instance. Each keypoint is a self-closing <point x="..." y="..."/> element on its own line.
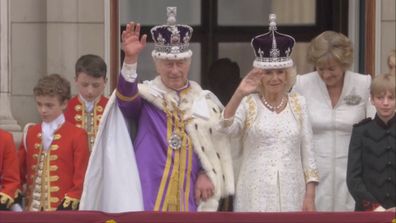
<point x="272" y="49"/>
<point x="171" y="41"/>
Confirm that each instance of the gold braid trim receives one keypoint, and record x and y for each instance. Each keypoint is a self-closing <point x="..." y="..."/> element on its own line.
<point x="251" y="113"/>
<point x="311" y="175"/>
<point x="126" y="98"/>
<point x="6" y="199"/>
<point x="73" y="201"/>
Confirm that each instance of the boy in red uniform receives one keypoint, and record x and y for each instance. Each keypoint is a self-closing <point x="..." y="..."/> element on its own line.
<point x="9" y="171"/>
<point x="54" y="154"/>
<point x="85" y="109"/>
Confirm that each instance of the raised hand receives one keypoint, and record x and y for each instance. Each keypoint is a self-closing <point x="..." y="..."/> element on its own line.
<point x="131" y="44"/>
<point x="250" y="82"/>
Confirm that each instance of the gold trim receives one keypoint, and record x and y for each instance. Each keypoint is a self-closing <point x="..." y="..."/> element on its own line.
<point x="53" y="168"/>
<point x="73" y="201"/>
<point x="57" y="136"/>
<point x="311" y="175"/>
<point x="78" y="108"/>
<point x="54" y="147"/>
<point x="54" y="200"/>
<point x="53" y="157"/>
<point x="54" y="189"/>
<point x="53" y="178"/>
<point x="6" y="199"/>
<point x="168" y="160"/>
<point x="126" y="98"/>
<point x="99" y="108"/>
<point x="189" y="169"/>
<point x="77" y="118"/>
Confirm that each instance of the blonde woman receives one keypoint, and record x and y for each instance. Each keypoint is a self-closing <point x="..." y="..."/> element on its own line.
<point x="336" y="99"/>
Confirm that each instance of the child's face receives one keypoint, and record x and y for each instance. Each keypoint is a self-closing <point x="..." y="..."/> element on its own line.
<point x="90" y="87"/>
<point x="384" y="104"/>
<point x="49" y="107"/>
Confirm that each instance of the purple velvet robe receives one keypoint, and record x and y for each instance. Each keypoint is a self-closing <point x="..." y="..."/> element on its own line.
<point x="154" y="159"/>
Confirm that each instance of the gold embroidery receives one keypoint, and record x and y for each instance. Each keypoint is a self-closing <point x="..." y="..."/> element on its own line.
<point x="78" y="108"/>
<point x="54" y="189"/>
<point x="53" y="178"/>
<point x="74" y="202"/>
<point x="99" y="108"/>
<point x="53" y="168"/>
<point x="126" y="98"/>
<point x="5" y="199"/>
<point x="311" y="175"/>
<point x="54" y="147"/>
<point x="57" y="136"/>
<point x="77" y="118"/>
<point x="54" y="200"/>
<point x="251" y="113"/>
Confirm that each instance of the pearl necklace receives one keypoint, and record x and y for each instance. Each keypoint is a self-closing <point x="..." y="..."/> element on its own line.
<point x="273" y="108"/>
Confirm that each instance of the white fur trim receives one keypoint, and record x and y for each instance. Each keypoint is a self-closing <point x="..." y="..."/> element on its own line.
<point x="211" y="146"/>
<point x="171" y="56"/>
<point x="273" y="65"/>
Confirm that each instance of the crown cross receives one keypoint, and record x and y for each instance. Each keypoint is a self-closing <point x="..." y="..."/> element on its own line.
<point x="261" y="53"/>
<point x="274" y="51"/>
<point x="171" y="13"/>
<point x="287" y="52"/>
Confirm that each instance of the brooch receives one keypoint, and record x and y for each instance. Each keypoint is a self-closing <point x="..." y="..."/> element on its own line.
<point x="175" y="141"/>
<point x="352" y="99"/>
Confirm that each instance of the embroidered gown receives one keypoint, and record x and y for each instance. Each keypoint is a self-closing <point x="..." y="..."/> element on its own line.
<point x="277" y="153"/>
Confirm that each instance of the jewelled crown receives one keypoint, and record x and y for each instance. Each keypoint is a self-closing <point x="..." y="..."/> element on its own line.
<point x="171" y="41"/>
<point x="272" y="49"/>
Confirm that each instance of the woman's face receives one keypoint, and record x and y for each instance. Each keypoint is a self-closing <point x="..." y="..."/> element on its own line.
<point x="274" y="81"/>
<point x="331" y="72"/>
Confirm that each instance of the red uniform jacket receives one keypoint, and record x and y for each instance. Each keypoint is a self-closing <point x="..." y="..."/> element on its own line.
<point x="77" y="115"/>
<point x="9" y="169"/>
<point x="56" y="174"/>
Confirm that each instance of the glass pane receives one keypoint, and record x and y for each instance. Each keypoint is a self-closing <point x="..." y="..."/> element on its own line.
<point x="146" y="68"/>
<point x="243" y="54"/>
<point x="153" y="12"/>
<point x="255" y="12"/>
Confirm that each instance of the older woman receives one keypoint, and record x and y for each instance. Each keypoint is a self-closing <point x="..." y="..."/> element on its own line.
<point x="336" y="99"/>
<point x="278" y="171"/>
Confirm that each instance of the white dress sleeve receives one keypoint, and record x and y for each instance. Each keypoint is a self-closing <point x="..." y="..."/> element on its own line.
<point x="235" y="125"/>
<point x="308" y="158"/>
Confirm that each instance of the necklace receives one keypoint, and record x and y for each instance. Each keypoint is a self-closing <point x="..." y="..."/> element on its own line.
<point x="271" y="107"/>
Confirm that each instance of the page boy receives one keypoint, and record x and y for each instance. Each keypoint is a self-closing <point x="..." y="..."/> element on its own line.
<point x="371" y="173"/>
<point x="53" y="154"/>
<point x="85" y="109"/>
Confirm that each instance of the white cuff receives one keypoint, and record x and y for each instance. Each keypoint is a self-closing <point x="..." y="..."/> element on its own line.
<point x="226" y="122"/>
<point x="128" y="71"/>
<point x="380" y="208"/>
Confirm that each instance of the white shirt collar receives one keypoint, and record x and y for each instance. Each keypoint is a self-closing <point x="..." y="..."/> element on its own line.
<point x="48" y="129"/>
<point x="89" y="105"/>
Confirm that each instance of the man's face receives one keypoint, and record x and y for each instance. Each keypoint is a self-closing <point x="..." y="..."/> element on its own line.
<point x="174" y="73"/>
<point x="49" y="107"/>
<point x="90" y="87"/>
